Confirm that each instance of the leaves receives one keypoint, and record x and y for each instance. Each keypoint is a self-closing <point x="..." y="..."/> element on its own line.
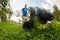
<point x="4" y="4"/>
<point x="56" y="12"/>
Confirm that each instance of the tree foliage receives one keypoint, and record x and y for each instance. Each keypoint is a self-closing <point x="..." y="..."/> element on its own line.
<point x="4" y="4"/>
<point x="56" y="12"/>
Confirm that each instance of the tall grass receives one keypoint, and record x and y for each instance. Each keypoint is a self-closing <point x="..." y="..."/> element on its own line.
<point x="13" y="31"/>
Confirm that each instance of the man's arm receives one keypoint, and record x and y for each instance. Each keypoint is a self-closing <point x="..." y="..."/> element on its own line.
<point x="22" y="11"/>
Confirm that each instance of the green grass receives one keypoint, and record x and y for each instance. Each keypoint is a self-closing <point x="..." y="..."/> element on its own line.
<point x="9" y="26"/>
<point x="13" y="31"/>
<point x="7" y="30"/>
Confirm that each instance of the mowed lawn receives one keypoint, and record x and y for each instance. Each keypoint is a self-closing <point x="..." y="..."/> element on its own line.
<point x="13" y="31"/>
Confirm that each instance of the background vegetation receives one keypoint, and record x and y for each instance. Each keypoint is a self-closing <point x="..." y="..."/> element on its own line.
<point x="4" y="9"/>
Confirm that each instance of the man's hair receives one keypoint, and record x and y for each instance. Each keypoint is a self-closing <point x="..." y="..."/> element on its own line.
<point x="25" y="5"/>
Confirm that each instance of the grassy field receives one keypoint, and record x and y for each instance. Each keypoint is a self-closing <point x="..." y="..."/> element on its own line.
<point x="13" y="31"/>
<point x="9" y="30"/>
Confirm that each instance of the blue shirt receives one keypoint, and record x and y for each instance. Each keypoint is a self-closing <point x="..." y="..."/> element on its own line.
<point x="24" y="10"/>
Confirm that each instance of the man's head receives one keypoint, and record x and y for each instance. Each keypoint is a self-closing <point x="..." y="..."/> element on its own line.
<point x="25" y="5"/>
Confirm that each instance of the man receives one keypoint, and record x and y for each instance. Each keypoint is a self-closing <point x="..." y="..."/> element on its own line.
<point x="25" y="10"/>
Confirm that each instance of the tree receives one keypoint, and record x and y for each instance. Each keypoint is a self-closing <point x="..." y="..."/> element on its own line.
<point x="4" y="10"/>
<point x="56" y="12"/>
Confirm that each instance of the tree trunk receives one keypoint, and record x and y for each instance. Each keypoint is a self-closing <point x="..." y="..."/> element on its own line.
<point x="0" y="19"/>
<point x="3" y="18"/>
